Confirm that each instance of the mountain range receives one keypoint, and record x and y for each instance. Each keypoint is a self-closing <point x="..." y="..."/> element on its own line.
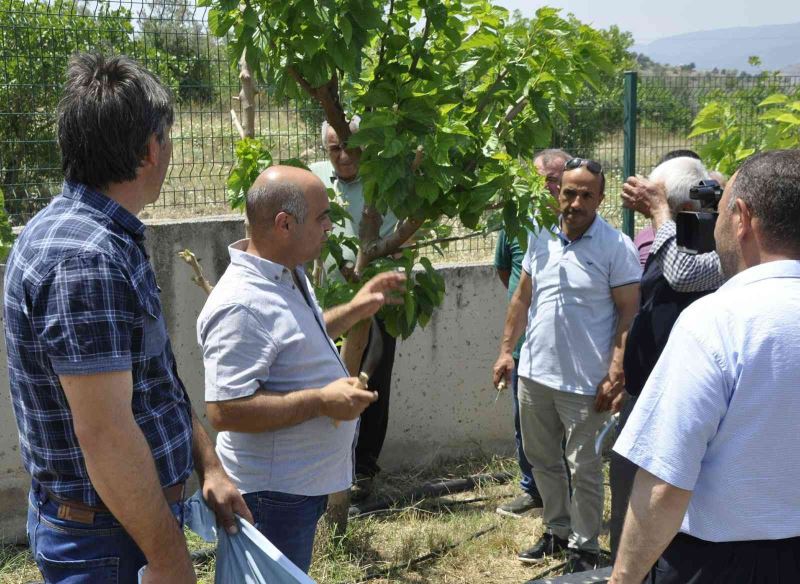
<point x="778" y="47"/>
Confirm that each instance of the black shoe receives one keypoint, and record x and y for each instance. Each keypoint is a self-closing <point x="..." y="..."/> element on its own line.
<point x="520" y="505"/>
<point x="361" y="489"/>
<point x="548" y="545"/>
<point x="581" y="561"/>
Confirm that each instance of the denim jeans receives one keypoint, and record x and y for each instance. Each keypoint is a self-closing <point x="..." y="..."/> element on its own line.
<point x="288" y="521"/>
<point x="71" y="552"/>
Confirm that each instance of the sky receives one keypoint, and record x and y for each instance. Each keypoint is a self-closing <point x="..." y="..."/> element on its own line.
<point x="649" y="20"/>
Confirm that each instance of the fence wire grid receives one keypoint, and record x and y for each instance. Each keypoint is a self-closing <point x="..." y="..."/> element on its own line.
<point x="172" y="40"/>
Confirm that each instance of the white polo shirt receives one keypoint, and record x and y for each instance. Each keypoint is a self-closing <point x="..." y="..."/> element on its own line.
<point x="719" y="413"/>
<point x="572" y="317"/>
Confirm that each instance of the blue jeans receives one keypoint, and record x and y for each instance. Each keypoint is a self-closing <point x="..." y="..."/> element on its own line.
<point x="526" y="484"/>
<point x="288" y="521"/>
<point x="71" y="552"/>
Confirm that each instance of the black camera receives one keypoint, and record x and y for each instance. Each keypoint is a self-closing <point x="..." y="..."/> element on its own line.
<point x="695" y="229"/>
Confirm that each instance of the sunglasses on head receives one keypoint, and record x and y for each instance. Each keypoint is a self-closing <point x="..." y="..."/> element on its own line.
<point x="593" y="166"/>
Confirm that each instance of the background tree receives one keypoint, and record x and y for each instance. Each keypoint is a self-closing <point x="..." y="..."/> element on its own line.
<point x="728" y="135"/>
<point x="454" y="97"/>
<point x="35" y="49"/>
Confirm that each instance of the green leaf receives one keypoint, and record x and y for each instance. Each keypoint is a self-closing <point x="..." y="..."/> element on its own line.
<point x="775" y="98"/>
<point x="347" y="30"/>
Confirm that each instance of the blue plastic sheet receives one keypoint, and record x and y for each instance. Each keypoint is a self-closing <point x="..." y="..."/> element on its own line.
<point x="244" y="558"/>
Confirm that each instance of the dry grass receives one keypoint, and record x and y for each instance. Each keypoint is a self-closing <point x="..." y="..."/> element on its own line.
<point x="389" y="543"/>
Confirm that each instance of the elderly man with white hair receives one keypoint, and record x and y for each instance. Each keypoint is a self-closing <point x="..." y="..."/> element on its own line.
<point x="340" y="172"/>
<point x="660" y="306"/>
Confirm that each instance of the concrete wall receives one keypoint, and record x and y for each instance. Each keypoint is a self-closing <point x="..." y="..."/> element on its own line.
<point x="442" y="400"/>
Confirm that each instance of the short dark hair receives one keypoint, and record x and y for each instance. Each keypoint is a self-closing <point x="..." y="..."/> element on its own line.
<point x="110" y="108"/>
<point x="265" y="202"/>
<point x="682" y="153"/>
<point x="769" y="184"/>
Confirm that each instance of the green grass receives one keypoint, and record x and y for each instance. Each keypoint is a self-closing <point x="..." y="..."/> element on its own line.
<point x="389" y="543"/>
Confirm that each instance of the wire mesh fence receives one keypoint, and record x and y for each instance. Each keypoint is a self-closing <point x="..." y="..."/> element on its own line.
<point x="171" y="38"/>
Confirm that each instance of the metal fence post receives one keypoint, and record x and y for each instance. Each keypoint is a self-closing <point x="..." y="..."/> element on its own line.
<point x="629" y="148"/>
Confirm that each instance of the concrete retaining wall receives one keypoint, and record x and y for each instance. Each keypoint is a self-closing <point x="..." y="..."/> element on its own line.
<point x="442" y="400"/>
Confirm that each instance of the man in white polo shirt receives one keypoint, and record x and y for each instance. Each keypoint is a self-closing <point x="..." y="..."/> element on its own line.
<point x="714" y="431"/>
<point x="274" y="380"/>
<point x="577" y="296"/>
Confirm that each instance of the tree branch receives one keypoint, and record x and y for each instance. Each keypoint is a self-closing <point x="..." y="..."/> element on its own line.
<point x="417" y="158"/>
<point x="416" y="57"/>
<point x="431" y="242"/>
<point x="199" y="279"/>
<point x="247" y="98"/>
<point x="484" y="101"/>
<point x="383" y="38"/>
<point x="385" y="246"/>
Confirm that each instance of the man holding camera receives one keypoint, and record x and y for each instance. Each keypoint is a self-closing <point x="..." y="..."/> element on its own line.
<point x="683" y="271"/>
<point x="659" y="308"/>
<point x="721" y="466"/>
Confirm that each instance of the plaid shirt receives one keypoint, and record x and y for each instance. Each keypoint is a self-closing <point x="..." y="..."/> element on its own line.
<point x="685" y="272"/>
<point x="81" y="298"/>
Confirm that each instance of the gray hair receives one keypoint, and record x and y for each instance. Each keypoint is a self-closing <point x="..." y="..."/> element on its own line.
<point x="679" y="175"/>
<point x="276" y="196"/>
<point x="355" y="122"/>
<point x="769" y="184"/>
<point x="550" y="154"/>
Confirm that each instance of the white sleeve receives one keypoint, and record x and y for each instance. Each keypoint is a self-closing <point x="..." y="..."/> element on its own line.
<point x="625" y="266"/>
<point x="237" y="353"/>
<point x="680" y="408"/>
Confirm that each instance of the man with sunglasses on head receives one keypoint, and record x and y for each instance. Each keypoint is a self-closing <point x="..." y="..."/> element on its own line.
<point x="508" y="264"/>
<point x="577" y="296"/>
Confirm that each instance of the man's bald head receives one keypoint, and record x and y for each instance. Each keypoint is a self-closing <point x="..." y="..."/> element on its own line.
<point x="280" y="189"/>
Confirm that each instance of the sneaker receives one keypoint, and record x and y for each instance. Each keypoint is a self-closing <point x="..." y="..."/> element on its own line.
<point x="520" y="505"/>
<point x="361" y="489"/>
<point x="581" y="561"/>
<point x="548" y="545"/>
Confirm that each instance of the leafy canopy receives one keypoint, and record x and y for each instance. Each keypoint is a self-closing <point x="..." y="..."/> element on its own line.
<point x="454" y="97"/>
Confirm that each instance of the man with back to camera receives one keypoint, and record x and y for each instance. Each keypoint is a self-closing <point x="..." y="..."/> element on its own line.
<point x="508" y="264"/>
<point x="275" y="383"/>
<point x="659" y="309"/>
<point x="577" y="296"/>
<point x="716" y="498"/>
<point x="106" y="428"/>
<point x="340" y="173"/>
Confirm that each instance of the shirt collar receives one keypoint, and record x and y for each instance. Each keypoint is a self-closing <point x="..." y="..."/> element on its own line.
<point x="589" y="233"/>
<point x="270" y="270"/>
<point x="105" y="205"/>
<point x="766" y="271"/>
<point x="335" y="177"/>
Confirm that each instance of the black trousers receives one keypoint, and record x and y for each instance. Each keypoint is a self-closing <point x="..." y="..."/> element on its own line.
<point x="621" y="473"/>
<point x="688" y="560"/>
<point x="375" y="419"/>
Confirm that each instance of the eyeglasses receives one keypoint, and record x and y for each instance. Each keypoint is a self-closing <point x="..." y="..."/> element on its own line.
<point x="593" y="166"/>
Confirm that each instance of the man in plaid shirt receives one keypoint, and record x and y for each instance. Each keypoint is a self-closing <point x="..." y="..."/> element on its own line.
<point x="105" y="425"/>
<point x="683" y="271"/>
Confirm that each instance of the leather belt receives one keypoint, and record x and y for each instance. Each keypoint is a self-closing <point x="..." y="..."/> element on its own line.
<point x="83" y="513"/>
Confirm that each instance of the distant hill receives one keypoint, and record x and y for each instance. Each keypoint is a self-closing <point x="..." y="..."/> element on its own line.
<point x="778" y="47"/>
